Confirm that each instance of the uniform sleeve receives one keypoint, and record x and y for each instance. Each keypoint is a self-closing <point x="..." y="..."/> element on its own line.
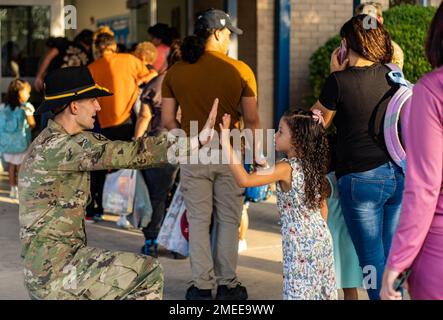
<point x="330" y="93"/>
<point x="91" y="151"/>
<point x="424" y="140"/>
<point x="249" y="82"/>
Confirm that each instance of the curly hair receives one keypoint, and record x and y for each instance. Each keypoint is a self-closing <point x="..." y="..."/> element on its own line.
<point x="311" y="145"/>
<point x="146" y="50"/>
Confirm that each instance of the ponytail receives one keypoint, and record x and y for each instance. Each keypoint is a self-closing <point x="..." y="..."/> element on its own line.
<point x="192" y="48"/>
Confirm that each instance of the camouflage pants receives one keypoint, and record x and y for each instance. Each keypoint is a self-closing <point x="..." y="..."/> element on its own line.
<point x="96" y="274"/>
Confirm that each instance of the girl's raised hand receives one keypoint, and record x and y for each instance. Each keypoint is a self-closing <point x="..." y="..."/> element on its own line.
<point x="224" y="128"/>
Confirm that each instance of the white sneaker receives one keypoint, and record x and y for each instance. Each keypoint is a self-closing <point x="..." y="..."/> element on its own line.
<point x="123" y="222"/>
<point x="242" y="245"/>
<point x="13" y="193"/>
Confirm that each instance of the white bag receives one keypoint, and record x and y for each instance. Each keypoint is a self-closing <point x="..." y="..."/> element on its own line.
<point x="173" y="234"/>
<point x="142" y="214"/>
<point x="119" y="192"/>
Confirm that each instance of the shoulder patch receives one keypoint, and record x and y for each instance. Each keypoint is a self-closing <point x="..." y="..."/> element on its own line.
<point x="99" y="136"/>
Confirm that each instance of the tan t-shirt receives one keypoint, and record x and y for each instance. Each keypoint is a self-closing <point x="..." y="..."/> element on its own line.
<point x="214" y="75"/>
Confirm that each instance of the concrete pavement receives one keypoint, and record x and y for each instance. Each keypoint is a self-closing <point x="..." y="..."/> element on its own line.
<point x="259" y="267"/>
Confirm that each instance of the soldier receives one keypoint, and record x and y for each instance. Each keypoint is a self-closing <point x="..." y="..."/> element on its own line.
<point x="53" y="194"/>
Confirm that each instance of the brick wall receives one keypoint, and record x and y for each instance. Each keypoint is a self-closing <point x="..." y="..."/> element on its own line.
<point x="312" y="23"/>
<point x="385" y="3"/>
<point x="247" y="42"/>
<point x="265" y="61"/>
<point x="435" y="3"/>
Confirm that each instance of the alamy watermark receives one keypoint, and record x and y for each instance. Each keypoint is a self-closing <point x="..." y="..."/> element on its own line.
<point x="248" y="146"/>
<point x="70" y="17"/>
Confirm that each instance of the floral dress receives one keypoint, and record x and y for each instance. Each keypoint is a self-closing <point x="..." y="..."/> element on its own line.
<point x="308" y="260"/>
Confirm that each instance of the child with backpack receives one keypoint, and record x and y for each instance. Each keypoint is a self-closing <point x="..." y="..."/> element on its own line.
<point x="308" y="260"/>
<point x="16" y="122"/>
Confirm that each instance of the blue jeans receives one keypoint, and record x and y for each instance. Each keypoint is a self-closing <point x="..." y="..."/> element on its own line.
<point x="371" y="203"/>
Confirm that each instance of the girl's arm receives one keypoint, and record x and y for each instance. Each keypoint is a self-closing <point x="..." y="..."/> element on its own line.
<point x="31" y="121"/>
<point x="324" y="210"/>
<point x="38" y="82"/>
<point x="281" y="172"/>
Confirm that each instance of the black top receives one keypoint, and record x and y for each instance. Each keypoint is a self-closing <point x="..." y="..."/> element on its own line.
<point x="360" y="95"/>
<point x="70" y="54"/>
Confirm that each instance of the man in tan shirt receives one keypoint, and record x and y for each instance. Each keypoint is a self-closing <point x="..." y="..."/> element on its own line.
<point x="206" y="73"/>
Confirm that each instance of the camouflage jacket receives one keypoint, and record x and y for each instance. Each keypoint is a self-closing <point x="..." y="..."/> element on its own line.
<point x="54" y="183"/>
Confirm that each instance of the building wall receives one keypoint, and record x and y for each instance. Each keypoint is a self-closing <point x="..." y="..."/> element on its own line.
<point x="435" y="3"/>
<point x="385" y="3"/>
<point x="87" y="9"/>
<point x="247" y="42"/>
<point x="265" y="61"/>
<point x="313" y="22"/>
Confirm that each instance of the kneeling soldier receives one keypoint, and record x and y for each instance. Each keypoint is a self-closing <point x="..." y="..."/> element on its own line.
<point x="54" y="190"/>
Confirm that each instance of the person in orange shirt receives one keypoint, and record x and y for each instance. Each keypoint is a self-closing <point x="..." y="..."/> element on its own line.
<point x="121" y="73"/>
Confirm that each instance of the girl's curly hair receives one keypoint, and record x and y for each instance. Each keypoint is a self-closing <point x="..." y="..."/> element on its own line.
<point x="311" y="145"/>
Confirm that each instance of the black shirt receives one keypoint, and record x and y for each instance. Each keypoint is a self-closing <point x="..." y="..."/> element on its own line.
<point x="70" y="54"/>
<point x="360" y="96"/>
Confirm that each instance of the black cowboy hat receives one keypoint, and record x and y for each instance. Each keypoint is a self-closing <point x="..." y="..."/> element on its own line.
<point x="65" y="85"/>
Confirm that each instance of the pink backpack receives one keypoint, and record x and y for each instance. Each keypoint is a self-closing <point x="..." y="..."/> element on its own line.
<point x="396" y="118"/>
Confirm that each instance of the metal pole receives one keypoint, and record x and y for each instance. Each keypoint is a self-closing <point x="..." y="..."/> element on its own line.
<point x="282" y="57"/>
<point x="152" y="12"/>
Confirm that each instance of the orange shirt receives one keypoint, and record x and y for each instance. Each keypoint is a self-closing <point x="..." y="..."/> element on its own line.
<point x="120" y="73"/>
<point x="214" y="75"/>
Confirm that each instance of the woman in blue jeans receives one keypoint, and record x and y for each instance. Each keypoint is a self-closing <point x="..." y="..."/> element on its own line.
<point x="355" y="96"/>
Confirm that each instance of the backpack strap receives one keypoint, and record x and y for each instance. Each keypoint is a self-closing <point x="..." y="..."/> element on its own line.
<point x="396" y="75"/>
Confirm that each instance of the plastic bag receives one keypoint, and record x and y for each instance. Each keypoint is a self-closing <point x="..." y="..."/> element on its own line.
<point x="119" y="192"/>
<point x="174" y="233"/>
<point x="142" y="204"/>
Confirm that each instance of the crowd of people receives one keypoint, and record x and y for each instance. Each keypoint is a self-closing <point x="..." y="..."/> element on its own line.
<point x="351" y="216"/>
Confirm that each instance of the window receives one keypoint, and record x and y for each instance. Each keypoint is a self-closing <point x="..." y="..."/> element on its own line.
<point x="23" y="33"/>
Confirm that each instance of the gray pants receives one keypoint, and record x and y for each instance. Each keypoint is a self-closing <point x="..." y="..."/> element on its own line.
<point x="211" y="189"/>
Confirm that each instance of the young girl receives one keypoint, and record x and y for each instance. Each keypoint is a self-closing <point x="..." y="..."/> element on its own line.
<point x="308" y="265"/>
<point x="18" y="95"/>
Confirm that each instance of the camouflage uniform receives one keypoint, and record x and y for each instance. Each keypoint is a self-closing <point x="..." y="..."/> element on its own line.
<point x="54" y="190"/>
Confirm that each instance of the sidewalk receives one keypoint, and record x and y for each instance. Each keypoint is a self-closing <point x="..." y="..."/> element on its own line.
<point x="259" y="267"/>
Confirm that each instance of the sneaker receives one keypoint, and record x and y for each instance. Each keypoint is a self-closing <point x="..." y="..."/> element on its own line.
<point x="150" y="248"/>
<point x="89" y="220"/>
<point x="98" y="218"/>
<point x="13" y="193"/>
<point x="242" y="245"/>
<point x="237" y="293"/>
<point x="194" y="293"/>
<point x="123" y="222"/>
